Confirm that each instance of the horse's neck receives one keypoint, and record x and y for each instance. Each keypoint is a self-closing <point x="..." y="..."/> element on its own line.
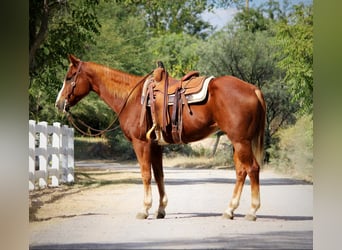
<point x="111" y="85"/>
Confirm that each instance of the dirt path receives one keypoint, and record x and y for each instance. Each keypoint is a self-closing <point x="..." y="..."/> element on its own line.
<point x="100" y="214"/>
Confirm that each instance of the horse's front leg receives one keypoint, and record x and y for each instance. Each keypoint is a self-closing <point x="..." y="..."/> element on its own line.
<point x="157" y="165"/>
<point x="143" y="152"/>
<point x="147" y="203"/>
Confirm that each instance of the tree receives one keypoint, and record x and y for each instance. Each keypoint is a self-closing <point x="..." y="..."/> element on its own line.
<point x="240" y="53"/>
<point x="122" y="43"/>
<point x="177" y="51"/>
<point x="182" y="16"/>
<point x="295" y="40"/>
<point x="249" y="55"/>
<point x="177" y="16"/>
<point x="56" y="28"/>
<point x="251" y="20"/>
<point x="60" y="27"/>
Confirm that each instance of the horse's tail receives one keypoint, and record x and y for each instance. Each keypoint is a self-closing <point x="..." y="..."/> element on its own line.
<point x="258" y="140"/>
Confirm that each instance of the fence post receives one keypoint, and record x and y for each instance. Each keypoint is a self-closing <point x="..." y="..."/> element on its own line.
<point x="43" y="156"/>
<point x="70" y="177"/>
<point x="55" y="154"/>
<point x="32" y="155"/>
<point x="67" y="154"/>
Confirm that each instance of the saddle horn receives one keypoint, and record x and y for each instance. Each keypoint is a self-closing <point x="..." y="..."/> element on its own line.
<point x="160" y="64"/>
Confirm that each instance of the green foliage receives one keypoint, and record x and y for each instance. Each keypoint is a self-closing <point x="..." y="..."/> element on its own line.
<point x="252" y="20"/>
<point x="280" y="110"/>
<point x="241" y="53"/>
<point x="122" y="40"/>
<point x="94" y="112"/>
<point x="270" y="47"/>
<point x="294" y="152"/>
<point x="177" y="16"/>
<point x="38" y="110"/>
<point x="178" y="52"/>
<point x="57" y="28"/>
<point x="295" y="39"/>
<point x="250" y="56"/>
<point x="174" y="150"/>
<point x="71" y="26"/>
<point x="112" y="148"/>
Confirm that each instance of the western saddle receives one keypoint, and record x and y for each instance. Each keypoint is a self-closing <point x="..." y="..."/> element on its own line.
<point x="159" y="92"/>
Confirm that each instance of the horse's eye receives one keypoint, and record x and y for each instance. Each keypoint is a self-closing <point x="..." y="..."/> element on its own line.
<point x="68" y="78"/>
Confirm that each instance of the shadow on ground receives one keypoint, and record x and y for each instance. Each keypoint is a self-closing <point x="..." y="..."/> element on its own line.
<point x="269" y="240"/>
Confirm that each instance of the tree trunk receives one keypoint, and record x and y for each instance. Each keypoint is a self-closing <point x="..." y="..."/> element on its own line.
<point x="39" y="38"/>
<point x="218" y="136"/>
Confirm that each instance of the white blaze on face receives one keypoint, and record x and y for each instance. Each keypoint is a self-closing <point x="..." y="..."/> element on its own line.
<point x="60" y="93"/>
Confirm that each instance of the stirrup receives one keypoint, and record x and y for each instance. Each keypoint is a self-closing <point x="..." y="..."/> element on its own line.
<point x="148" y="134"/>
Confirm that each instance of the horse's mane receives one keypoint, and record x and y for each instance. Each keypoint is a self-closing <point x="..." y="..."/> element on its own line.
<point x="119" y="82"/>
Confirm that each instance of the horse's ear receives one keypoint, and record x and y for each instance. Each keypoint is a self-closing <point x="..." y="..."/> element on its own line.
<point x="74" y="60"/>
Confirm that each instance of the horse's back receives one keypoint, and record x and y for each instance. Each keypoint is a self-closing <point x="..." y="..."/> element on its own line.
<point x="232" y="91"/>
<point x="234" y="85"/>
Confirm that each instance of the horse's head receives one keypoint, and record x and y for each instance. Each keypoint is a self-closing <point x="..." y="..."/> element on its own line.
<point x="75" y="86"/>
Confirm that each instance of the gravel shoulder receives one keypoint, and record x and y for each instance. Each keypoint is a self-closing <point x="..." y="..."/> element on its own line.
<point x="100" y="212"/>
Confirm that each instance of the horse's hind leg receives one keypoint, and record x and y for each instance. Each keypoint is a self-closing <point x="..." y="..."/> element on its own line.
<point x="157" y="166"/>
<point x="253" y="174"/>
<point x="240" y="180"/>
<point x="245" y="163"/>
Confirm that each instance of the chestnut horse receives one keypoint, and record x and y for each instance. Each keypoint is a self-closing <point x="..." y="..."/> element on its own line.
<point x="232" y="105"/>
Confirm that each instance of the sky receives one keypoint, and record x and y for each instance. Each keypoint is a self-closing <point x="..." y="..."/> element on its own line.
<point x="221" y="17"/>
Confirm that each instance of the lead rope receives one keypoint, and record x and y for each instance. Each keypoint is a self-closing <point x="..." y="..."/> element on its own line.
<point x="71" y="119"/>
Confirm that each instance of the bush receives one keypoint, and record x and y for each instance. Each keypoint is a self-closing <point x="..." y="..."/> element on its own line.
<point x="294" y="152"/>
<point x="174" y="150"/>
<point x="113" y="148"/>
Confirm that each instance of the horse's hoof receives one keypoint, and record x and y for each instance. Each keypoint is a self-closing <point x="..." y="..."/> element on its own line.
<point x="229" y="216"/>
<point x="160" y="215"/>
<point x="142" y="216"/>
<point x="250" y="217"/>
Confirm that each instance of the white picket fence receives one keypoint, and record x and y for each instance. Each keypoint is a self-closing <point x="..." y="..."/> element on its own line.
<point x="51" y="154"/>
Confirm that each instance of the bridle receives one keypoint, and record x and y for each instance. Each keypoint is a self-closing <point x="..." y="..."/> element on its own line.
<point x="73" y="86"/>
<point x="71" y="119"/>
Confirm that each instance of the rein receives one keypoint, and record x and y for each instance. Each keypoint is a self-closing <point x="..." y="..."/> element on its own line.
<point x="71" y="119"/>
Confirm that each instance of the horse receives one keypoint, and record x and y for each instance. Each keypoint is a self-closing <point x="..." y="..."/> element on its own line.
<point x="234" y="106"/>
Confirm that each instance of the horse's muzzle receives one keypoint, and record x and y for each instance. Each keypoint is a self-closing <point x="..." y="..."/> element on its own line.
<point x="62" y="106"/>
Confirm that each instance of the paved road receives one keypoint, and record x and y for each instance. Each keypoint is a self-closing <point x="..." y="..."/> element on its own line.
<point x="105" y="217"/>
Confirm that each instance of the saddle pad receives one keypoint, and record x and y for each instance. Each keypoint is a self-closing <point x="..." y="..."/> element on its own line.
<point x="192" y="98"/>
<point x="196" y="97"/>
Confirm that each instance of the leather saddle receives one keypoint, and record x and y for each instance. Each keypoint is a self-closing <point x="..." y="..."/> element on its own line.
<point x="160" y="92"/>
<point x="190" y="83"/>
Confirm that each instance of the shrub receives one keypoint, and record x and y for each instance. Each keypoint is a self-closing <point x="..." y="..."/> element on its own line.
<point x="294" y="152"/>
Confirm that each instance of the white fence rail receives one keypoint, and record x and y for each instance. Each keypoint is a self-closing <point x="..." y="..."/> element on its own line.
<point x="51" y="154"/>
